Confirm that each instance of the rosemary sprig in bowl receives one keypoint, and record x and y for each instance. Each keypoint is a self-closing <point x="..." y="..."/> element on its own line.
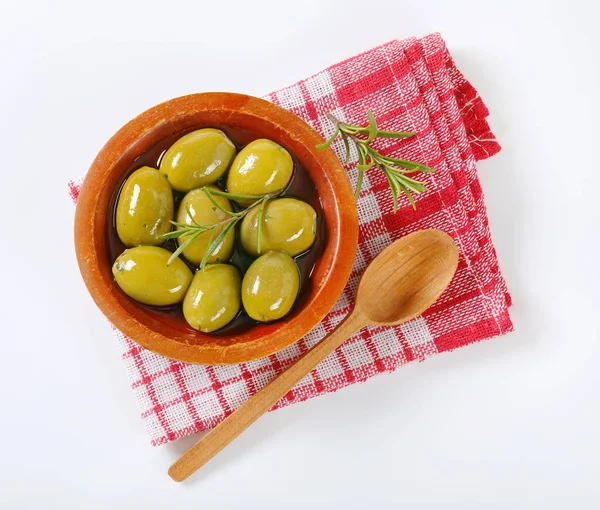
<point x="221" y="228"/>
<point x="396" y="170"/>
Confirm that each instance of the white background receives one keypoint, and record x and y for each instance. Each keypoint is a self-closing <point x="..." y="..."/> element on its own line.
<point x="509" y="423"/>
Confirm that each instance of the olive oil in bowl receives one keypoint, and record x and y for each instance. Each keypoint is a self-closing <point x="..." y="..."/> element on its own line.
<point x="299" y="187"/>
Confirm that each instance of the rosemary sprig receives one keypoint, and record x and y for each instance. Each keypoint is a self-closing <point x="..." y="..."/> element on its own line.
<point x="396" y="170"/>
<point x="195" y="229"/>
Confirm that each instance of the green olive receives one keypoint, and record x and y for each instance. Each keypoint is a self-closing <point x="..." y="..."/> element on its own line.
<point x="143" y="274"/>
<point x="261" y="167"/>
<point x="205" y="213"/>
<point x="270" y="286"/>
<point x="197" y="159"/>
<point x="145" y="208"/>
<point x="287" y="224"/>
<point x="213" y="299"/>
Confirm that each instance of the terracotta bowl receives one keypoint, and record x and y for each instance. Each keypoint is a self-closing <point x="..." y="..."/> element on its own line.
<point x="170" y="336"/>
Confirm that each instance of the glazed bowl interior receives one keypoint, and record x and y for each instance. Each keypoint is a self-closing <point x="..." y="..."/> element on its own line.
<point x="249" y="118"/>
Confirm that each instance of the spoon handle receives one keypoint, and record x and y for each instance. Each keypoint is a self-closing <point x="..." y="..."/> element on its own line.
<point x="230" y="428"/>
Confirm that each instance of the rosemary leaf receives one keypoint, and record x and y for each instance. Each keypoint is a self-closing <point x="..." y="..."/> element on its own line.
<point x="392" y="184"/>
<point x="174" y="234"/>
<point x="346" y="146"/>
<point x="352" y="130"/>
<point x="217" y="242"/>
<point x="233" y="196"/>
<point x="395" y="183"/>
<point x="359" y="182"/>
<point x="408" y="194"/>
<point x="409" y="164"/>
<point x="260" y="221"/>
<point x="328" y="142"/>
<point x="386" y="134"/>
<point x="209" y="193"/>
<point x="361" y="156"/>
<point x="417" y="186"/>
<point x="188" y="226"/>
<point x="210" y="240"/>
<point x="395" y="134"/>
<point x="183" y="246"/>
<point x="365" y="166"/>
<point x="364" y="149"/>
<point x="190" y="214"/>
<point x="372" y="127"/>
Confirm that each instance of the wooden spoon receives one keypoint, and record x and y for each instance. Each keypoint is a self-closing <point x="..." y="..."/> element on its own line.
<point x="399" y="284"/>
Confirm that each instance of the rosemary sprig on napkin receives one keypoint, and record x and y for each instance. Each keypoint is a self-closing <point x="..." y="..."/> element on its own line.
<point x="396" y="170"/>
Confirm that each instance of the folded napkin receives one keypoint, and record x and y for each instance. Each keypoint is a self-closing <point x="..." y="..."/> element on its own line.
<point x="411" y="85"/>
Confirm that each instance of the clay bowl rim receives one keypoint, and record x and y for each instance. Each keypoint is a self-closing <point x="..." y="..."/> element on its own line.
<point x="109" y="167"/>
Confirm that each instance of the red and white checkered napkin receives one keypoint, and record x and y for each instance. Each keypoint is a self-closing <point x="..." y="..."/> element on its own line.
<point x="410" y="85"/>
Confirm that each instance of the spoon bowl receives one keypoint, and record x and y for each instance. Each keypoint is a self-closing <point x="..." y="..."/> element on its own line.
<point x="407" y="277"/>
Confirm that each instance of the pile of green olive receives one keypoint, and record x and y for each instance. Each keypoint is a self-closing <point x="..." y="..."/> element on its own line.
<point x="151" y="198"/>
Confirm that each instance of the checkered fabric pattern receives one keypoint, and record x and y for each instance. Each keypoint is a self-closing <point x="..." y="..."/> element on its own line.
<point x="411" y="85"/>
